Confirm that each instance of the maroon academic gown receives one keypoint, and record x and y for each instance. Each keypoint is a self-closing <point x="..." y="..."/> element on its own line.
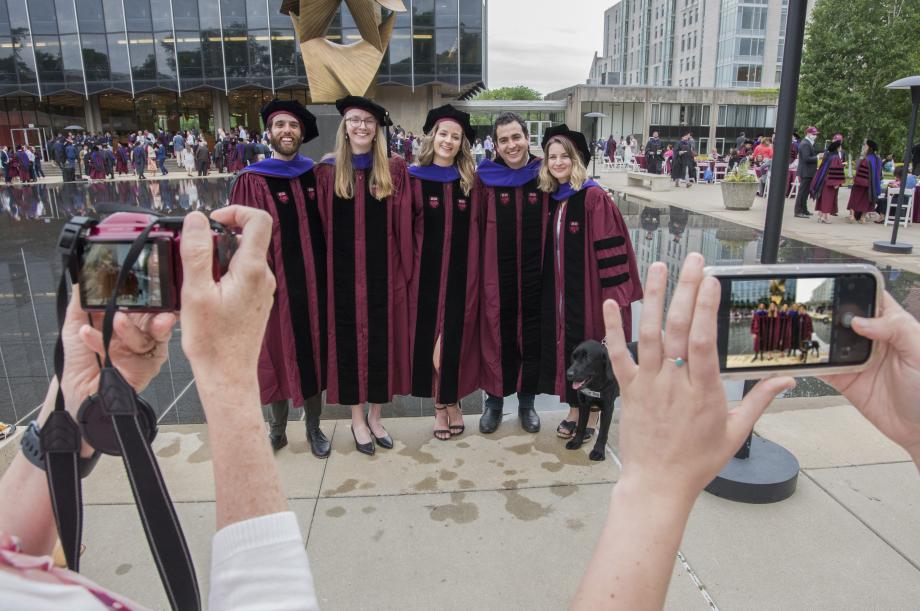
<point x="121" y="160"/>
<point x="293" y="358"/>
<point x="806" y="327"/>
<point x="369" y="261"/>
<point x="444" y="286"/>
<point x="860" y="200"/>
<point x="759" y="330"/>
<point x="98" y="169"/>
<point x="589" y="259"/>
<point x="515" y="215"/>
<point x="23" y="166"/>
<point x="827" y="199"/>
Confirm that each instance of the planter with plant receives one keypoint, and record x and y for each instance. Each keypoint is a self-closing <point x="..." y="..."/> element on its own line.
<point x="739" y="188"/>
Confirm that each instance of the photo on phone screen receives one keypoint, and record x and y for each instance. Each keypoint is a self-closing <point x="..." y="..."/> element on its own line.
<point x="793" y="321"/>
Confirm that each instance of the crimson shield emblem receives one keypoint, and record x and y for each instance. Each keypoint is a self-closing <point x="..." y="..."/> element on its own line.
<point x="434" y="202"/>
<point x="461" y="205"/>
<point x="283" y="197"/>
<point x="574" y="227"/>
<point x="532" y="198"/>
<point x="311" y="193"/>
<point x="505" y="198"/>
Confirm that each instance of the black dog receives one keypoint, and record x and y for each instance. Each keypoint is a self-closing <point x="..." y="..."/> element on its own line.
<point x="807" y="346"/>
<point x="592" y="377"/>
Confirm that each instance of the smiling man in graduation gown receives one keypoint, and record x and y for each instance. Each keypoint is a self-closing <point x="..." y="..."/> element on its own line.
<point x="515" y="213"/>
<point x="292" y="363"/>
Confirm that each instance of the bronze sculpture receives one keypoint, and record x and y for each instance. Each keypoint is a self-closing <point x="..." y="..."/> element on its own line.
<point x="335" y="70"/>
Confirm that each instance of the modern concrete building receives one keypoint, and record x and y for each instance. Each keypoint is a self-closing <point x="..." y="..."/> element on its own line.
<point x="121" y="65"/>
<point x="711" y="66"/>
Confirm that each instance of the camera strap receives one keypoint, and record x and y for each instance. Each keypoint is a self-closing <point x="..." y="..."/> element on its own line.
<point x="117" y="410"/>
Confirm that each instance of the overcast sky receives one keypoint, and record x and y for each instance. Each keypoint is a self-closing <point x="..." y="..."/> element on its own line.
<point x="544" y="44"/>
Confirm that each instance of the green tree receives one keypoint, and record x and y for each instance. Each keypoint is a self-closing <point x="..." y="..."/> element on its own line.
<point x="853" y="48"/>
<point x="520" y="92"/>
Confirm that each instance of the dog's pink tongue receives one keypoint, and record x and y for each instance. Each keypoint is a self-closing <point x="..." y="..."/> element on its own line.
<point x="577" y="385"/>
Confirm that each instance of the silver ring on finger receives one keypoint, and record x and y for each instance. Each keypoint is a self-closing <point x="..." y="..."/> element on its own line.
<point x="678" y="361"/>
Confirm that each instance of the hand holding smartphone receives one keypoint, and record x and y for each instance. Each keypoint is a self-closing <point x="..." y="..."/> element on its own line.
<point x="794" y="319"/>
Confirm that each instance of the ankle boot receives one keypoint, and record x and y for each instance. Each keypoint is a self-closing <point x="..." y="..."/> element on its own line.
<point x="490" y="419"/>
<point x="530" y="421"/>
<point x="319" y="444"/>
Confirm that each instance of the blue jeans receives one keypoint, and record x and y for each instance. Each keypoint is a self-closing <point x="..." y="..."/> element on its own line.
<point x="525" y="401"/>
<point x="161" y="163"/>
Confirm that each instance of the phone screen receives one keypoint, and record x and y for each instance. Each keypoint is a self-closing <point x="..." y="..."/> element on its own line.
<point x="789" y="322"/>
<point x="144" y="286"/>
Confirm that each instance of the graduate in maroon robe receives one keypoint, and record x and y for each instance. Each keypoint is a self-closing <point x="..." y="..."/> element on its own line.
<point x="589" y="259"/>
<point x="24" y="164"/>
<point x="759" y="331"/>
<point x="234" y="157"/>
<point x="515" y="215"/>
<point x="292" y="365"/>
<point x="805" y="327"/>
<point x="867" y="184"/>
<point x="785" y="329"/>
<point x="827" y="181"/>
<point x="772" y="333"/>
<point x="366" y="203"/>
<point x="122" y="157"/>
<point x="444" y="286"/>
<point x="97" y="167"/>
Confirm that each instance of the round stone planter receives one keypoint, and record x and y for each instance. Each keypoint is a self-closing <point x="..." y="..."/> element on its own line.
<point x="738" y="195"/>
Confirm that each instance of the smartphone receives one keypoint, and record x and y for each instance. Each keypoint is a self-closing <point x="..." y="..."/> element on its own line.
<point x="794" y="319"/>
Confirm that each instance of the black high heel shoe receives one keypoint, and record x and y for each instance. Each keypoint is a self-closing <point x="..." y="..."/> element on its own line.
<point x="364" y="448"/>
<point x="384" y="442"/>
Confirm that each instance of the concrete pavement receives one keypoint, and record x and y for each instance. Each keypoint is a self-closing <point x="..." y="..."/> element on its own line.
<point x="509" y="521"/>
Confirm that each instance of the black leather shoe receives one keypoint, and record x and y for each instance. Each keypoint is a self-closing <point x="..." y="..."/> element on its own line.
<point x="277" y="441"/>
<point x="319" y="443"/>
<point x="490" y="419"/>
<point x="384" y="442"/>
<point x="364" y="448"/>
<point x="530" y="421"/>
<point x="800" y="215"/>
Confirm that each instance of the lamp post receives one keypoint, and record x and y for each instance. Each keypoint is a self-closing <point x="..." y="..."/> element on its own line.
<point x="595" y="116"/>
<point x="902" y="248"/>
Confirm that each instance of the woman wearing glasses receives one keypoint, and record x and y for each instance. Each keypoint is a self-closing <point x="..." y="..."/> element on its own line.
<point x="444" y="286"/>
<point x="366" y="208"/>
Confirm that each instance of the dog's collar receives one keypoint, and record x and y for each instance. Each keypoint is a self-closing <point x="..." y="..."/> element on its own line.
<point x="590" y="393"/>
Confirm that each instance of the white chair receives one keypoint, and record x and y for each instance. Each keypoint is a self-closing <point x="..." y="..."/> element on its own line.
<point x="720" y="171"/>
<point x="618" y="163"/>
<point x="907" y="210"/>
<point x="608" y="165"/>
<point x="794" y="189"/>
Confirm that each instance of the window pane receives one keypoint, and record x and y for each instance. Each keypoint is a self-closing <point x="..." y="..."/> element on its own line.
<point x="160" y="12"/>
<point x="137" y="13"/>
<point x="50" y="63"/>
<point x="185" y="14"/>
<point x="114" y="20"/>
<point x="446" y="14"/>
<point x="89" y="16"/>
<point x="41" y="13"/>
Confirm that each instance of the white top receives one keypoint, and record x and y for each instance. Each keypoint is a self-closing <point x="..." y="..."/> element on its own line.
<point x="256" y="564"/>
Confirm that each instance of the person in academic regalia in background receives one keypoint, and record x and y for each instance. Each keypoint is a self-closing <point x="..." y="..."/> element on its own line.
<point x="515" y="214"/>
<point x="234" y="157"/>
<point x="867" y="184"/>
<point x="292" y="365"/>
<point x="444" y="286"/>
<point x="366" y="202"/>
<point x="683" y="162"/>
<point x="653" y="154"/>
<point x="759" y="331"/>
<point x="784" y="337"/>
<point x="772" y="330"/>
<point x="24" y="165"/>
<point x="589" y="258"/>
<point x="827" y="181"/>
<point x="795" y="338"/>
<point x="97" y="164"/>
<point x="122" y="158"/>
<point x="805" y="325"/>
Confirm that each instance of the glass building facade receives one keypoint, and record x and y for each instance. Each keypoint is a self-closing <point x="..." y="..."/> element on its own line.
<point x="166" y="60"/>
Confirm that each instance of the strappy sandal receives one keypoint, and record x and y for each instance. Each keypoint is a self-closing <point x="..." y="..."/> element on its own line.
<point x="456" y="429"/>
<point x="446" y="431"/>
<point x="566" y="429"/>
<point x="6" y="430"/>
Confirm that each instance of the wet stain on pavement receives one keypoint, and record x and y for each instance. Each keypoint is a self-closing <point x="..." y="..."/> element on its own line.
<point x="458" y="511"/>
<point x="123" y="568"/>
<point x="170" y="450"/>
<point x="377" y="536"/>
<point x="521" y="449"/>
<point x="524" y="508"/>
<point x="563" y="491"/>
<point x="510" y="472"/>
<point x="335" y="512"/>
<point x="574" y="524"/>
<point x="466" y="484"/>
<point x="419" y="455"/>
<point x="458" y="462"/>
<point x="368" y="509"/>
<point x="349" y="485"/>
<point x="513" y="484"/>
<point x="367" y="486"/>
<point x="203" y="453"/>
<point x="429" y="484"/>
<point x="447" y="475"/>
<point x="463" y="444"/>
<point x="553" y="467"/>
